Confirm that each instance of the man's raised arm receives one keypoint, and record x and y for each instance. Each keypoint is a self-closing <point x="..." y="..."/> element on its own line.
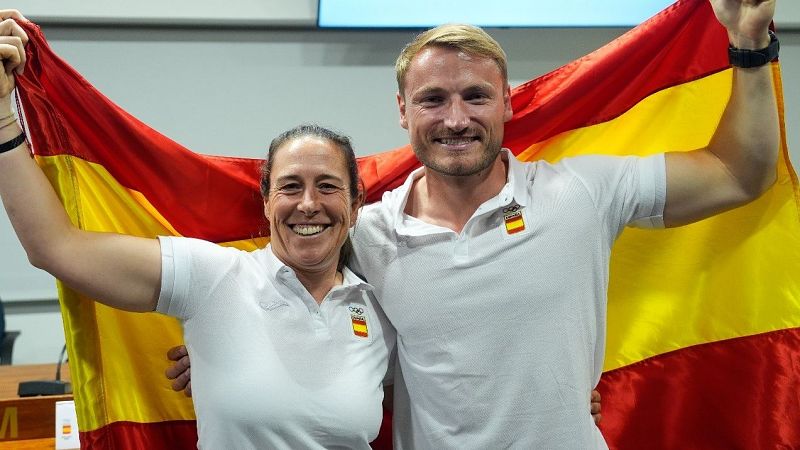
<point x="739" y="163"/>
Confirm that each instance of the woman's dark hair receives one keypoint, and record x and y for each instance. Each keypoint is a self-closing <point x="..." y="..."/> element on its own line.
<point x="342" y="143"/>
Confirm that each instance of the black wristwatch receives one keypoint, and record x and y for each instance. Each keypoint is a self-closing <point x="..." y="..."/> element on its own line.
<point x="754" y="58"/>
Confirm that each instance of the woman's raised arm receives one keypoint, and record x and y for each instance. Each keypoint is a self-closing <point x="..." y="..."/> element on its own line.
<point x="120" y="271"/>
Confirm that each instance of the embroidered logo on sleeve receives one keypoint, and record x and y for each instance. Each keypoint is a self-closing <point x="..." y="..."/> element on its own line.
<point x="359" y="320"/>
<point x="512" y="217"/>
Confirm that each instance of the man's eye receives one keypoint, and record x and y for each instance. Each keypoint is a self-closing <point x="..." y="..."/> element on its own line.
<point x="477" y="97"/>
<point x="431" y="100"/>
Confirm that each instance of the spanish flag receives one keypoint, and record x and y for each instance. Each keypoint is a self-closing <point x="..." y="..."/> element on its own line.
<point x="703" y="344"/>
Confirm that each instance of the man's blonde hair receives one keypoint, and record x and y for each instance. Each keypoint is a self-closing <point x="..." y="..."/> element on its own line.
<point x="469" y="39"/>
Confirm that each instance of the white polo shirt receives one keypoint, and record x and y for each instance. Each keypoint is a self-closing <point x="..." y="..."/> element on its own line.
<point x="271" y="368"/>
<point x="501" y="328"/>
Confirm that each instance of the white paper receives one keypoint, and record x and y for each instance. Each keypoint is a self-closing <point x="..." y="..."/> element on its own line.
<point x="66" y="426"/>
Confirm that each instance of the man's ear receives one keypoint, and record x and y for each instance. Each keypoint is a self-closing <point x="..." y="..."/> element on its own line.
<point x="401" y="103"/>
<point x="508" y="113"/>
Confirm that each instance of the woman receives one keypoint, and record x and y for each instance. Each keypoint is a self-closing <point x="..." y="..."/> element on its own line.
<point x="288" y="349"/>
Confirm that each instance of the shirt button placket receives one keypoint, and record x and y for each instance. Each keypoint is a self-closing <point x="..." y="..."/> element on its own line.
<point x="461" y="247"/>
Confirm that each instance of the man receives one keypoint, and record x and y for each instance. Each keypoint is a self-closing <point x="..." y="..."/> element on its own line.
<point x="490" y="359"/>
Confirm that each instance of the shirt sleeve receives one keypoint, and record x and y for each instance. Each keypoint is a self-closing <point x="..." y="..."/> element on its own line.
<point x="190" y="269"/>
<point x="652" y="185"/>
<point x="170" y="297"/>
<point x="627" y="190"/>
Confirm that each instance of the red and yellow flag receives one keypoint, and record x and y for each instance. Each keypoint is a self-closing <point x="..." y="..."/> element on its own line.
<point x="704" y="321"/>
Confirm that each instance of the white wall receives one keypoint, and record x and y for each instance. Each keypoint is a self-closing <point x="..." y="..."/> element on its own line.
<point x="225" y="90"/>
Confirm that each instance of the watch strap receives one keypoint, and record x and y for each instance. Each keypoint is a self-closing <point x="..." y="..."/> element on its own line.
<point x="744" y="58"/>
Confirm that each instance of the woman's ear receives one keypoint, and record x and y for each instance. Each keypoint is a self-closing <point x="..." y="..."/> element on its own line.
<point x="357" y="204"/>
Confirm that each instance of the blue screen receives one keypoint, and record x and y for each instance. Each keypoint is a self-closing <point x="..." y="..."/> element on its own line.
<point x="486" y="13"/>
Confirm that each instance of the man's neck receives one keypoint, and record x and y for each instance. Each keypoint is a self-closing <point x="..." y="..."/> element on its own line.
<point x="449" y="201"/>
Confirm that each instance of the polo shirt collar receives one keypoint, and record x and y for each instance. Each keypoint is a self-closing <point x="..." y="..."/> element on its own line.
<point x="515" y="189"/>
<point x="518" y="179"/>
<point x="281" y="273"/>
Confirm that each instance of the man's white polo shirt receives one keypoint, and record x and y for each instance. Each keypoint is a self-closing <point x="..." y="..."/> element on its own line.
<point x="501" y="328"/>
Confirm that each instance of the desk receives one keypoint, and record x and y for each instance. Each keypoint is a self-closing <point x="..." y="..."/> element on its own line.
<point x="29" y="422"/>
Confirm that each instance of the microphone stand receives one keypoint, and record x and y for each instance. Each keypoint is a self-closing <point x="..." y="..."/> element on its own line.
<point x="47" y="387"/>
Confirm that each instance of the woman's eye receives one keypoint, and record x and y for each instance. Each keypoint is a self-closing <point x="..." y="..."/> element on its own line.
<point x="329" y="188"/>
<point x="289" y="188"/>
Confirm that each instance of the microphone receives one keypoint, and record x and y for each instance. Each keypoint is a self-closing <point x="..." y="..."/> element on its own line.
<point x="60" y="359"/>
<point x="47" y="387"/>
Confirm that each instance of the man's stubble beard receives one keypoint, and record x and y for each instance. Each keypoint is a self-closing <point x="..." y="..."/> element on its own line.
<point x="488" y="156"/>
